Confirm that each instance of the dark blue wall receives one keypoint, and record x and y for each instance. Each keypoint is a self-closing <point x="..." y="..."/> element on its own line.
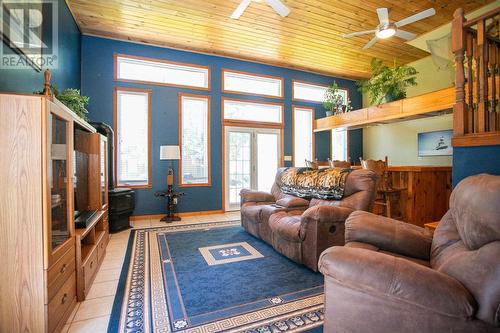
<point x="355" y="145"/>
<point x="469" y="161"/>
<point x="66" y="75"/>
<point x="98" y="83"/>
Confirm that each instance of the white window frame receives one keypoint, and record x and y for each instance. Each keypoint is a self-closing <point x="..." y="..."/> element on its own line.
<point x="278" y="123"/>
<point x="346" y="145"/>
<point x="158" y="63"/>
<point x="133" y="184"/>
<point x="181" y="178"/>
<point x="342" y="91"/>
<point x="228" y="74"/>
<point x="297" y="136"/>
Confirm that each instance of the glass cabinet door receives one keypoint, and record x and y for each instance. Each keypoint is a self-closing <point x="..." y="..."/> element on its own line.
<point x="104" y="171"/>
<point x="58" y="178"/>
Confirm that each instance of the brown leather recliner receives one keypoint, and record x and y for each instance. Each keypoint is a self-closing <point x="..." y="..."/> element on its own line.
<point x="300" y="229"/>
<point x="396" y="277"/>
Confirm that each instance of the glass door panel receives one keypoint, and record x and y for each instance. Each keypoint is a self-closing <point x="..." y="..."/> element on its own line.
<point x="58" y="179"/>
<point x="267" y="160"/>
<point x="252" y="157"/>
<point x="239" y="146"/>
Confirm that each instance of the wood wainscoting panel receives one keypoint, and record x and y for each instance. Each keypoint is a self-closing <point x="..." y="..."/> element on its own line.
<point x="427" y="194"/>
<point x="23" y="283"/>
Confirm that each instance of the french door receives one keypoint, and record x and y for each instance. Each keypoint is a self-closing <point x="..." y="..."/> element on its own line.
<point x="252" y="156"/>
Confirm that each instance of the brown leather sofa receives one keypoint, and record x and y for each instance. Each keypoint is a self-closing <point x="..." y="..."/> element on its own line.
<point x="396" y="277"/>
<point x="302" y="229"/>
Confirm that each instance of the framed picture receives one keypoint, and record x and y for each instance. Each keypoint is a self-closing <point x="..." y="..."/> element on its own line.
<point x="436" y="143"/>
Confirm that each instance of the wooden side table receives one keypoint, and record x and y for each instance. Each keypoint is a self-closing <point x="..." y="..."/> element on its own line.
<point x="431" y="226"/>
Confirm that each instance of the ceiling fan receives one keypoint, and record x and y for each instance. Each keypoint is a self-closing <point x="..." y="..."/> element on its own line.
<point x="277" y="5"/>
<point x="387" y="29"/>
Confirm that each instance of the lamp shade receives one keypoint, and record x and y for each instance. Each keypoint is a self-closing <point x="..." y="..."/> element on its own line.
<point x="170" y="153"/>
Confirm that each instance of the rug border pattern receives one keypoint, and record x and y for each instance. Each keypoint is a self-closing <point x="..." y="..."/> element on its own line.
<point x="307" y="313"/>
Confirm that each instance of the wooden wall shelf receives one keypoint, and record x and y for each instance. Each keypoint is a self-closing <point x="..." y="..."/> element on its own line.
<point x="426" y="105"/>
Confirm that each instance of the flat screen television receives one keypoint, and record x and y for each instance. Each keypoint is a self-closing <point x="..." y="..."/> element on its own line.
<point x="83" y="213"/>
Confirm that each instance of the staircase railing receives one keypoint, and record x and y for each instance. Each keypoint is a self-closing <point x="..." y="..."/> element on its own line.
<point x="476" y="46"/>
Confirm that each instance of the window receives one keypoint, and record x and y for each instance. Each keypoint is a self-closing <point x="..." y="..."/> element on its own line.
<point x="161" y="72"/>
<point x="339" y="145"/>
<point x="302" y="136"/>
<point x="247" y="83"/>
<point x="238" y="110"/>
<point x="194" y="140"/>
<point x="312" y="92"/>
<point x="132" y="128"/>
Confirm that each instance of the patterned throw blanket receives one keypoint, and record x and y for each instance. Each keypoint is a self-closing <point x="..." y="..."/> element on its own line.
<point x="314" y="183"/>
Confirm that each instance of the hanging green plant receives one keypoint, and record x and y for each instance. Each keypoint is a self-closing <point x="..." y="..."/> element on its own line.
<point x="388" y="84"/>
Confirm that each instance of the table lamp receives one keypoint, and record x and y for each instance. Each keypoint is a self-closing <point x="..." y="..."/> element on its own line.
<point x="170" y="153"/>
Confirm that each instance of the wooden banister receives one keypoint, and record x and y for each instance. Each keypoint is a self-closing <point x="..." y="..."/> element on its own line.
<point x="477" y="60"/>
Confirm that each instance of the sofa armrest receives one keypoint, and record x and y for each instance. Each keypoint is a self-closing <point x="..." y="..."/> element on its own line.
<point x="255" y="196"/>
<point x="320" y="228"/>
<point x="326" y="214"/>
<point x="397" y="280"/>
<point x="388" y="234"/>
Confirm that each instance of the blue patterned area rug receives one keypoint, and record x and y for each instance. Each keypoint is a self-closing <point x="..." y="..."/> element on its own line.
<point x="212" y="277"/>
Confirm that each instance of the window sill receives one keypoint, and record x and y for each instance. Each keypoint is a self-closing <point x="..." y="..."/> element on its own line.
<point x="134" y="186"/>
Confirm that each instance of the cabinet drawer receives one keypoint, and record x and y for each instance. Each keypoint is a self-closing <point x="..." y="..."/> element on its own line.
<point x="89" y="269"/>
<point x="60" y="305"/>
<point x="60" y="272"/>
<point x="101" y="246"/>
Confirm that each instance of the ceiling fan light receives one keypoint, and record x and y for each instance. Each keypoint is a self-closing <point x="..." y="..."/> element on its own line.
<point x="386" y="33"/>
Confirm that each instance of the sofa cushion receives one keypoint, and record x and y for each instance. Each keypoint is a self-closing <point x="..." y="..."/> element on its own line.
<point x="286" y="225"/>
<point x="291" y="201"/>
<point x="252" y="212"/>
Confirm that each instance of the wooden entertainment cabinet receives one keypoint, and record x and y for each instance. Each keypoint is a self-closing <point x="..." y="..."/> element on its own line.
<point x="47" y="264"/>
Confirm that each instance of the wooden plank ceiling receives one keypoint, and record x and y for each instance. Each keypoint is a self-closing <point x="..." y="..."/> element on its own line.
<point x="310" y="38"/>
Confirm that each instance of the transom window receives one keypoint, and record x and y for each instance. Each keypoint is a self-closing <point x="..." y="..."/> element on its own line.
<point x="312" y="92"/>
<point x="239" y="110"/>
<point x="194" y="120"/>
<point x="132" y="128"/>
<point x="302" y="136"/>
<point x="161" y="72"/>
<point x="254" y="84"/>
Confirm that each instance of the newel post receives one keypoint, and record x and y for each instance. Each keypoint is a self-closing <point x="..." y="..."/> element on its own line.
<point x="457" y="43"/>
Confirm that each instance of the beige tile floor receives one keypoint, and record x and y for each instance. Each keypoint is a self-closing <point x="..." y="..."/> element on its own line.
<point x="92" y="315"/>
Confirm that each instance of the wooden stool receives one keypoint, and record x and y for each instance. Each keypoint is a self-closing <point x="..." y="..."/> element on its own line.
<point x="385" y="191"/>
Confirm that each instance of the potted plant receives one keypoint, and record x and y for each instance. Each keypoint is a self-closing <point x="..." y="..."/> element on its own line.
<point x="334" y="102"/>
<point x="388" y="84"/>
<point x="73" y="100"/>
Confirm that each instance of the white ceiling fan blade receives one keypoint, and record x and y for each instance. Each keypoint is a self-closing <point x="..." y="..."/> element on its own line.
<point x="417" y="17"/>
<point x="383" y="16"/>
<point x="358" y="33"/>
<point x="279" y="7"/>
<point x="370" y="43"/>
<point x="241" y="8"/>
<point x="405" y="34"/>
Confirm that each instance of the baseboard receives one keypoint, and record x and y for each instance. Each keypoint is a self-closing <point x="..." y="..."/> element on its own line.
<point x="184" y="214"/>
